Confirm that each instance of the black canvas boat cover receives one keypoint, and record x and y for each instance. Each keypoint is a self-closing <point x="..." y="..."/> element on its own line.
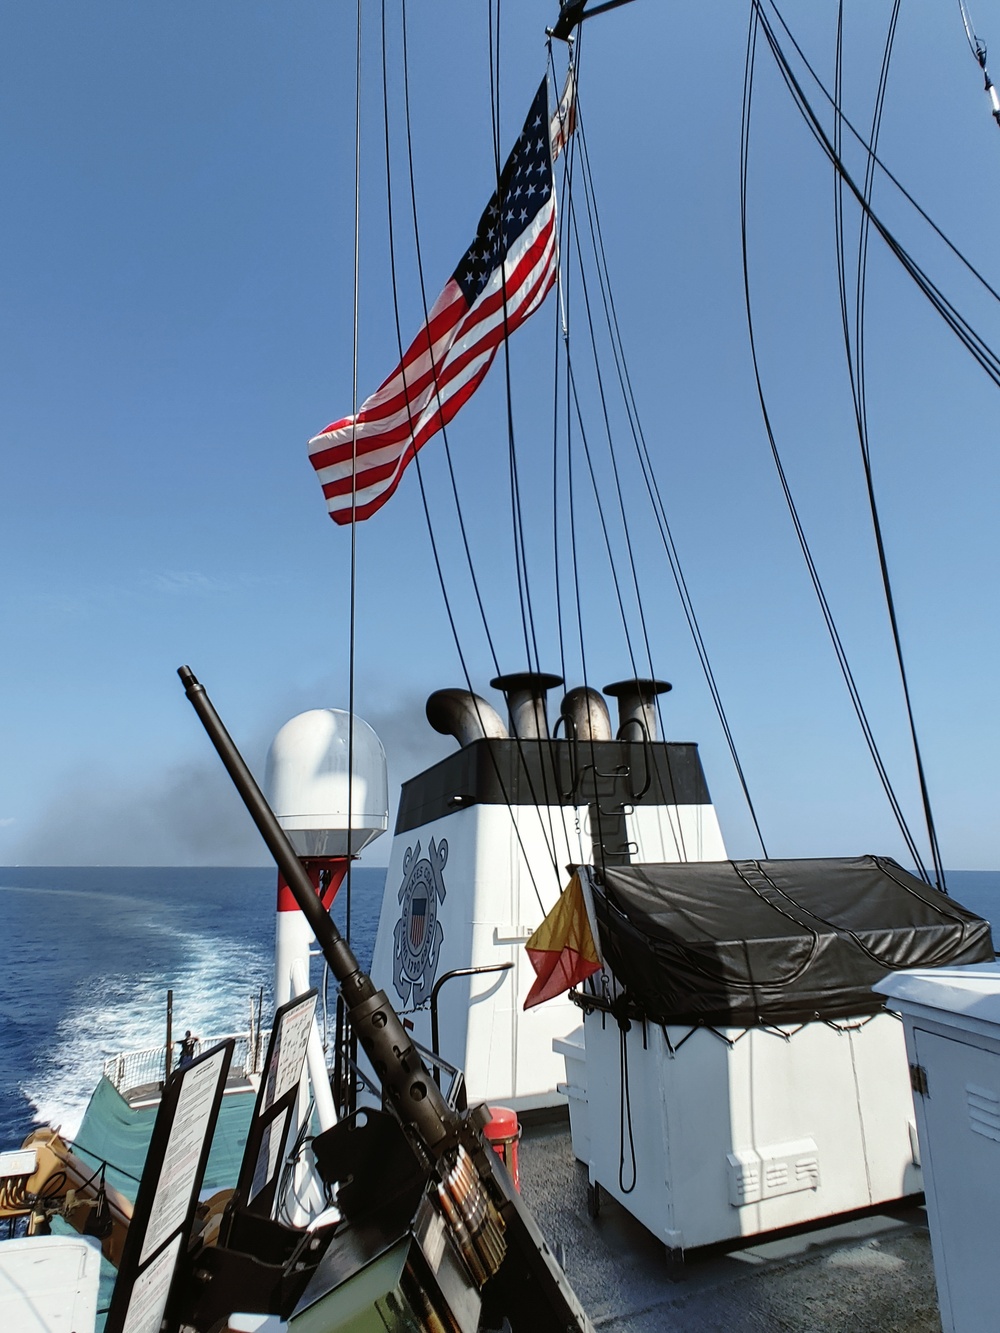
<point x="740" y="942"/>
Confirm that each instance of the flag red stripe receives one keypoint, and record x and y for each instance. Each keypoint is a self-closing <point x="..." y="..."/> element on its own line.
<point x="444" y="412"/>
<point x="444" y="314"/>
<point x="490" y="306"/>
<point x="520" y="305"/>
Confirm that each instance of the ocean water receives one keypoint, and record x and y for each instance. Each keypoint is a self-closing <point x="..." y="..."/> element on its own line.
<point x="91" y="951"/>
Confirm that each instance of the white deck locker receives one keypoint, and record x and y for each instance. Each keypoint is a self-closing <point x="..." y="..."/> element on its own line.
<point x="951" y="1018"/>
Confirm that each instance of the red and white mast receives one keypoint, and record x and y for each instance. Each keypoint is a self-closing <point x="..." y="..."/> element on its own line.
<point x="329" y="791"/>
<point x="326" y="783"/>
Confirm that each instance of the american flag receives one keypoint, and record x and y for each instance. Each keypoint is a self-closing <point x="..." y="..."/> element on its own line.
<point x="502" y="278"/>
<point x="418" y="921"/>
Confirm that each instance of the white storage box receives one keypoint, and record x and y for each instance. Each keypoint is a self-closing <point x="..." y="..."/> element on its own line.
<point x="708" y="1135"/>
<point x="574" y="1052"/>
<point x="952" y="1022"/>
<point x="49" y="1284"/>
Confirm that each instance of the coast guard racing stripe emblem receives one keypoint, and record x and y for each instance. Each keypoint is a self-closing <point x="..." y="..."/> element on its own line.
<point x="418" y="934"/>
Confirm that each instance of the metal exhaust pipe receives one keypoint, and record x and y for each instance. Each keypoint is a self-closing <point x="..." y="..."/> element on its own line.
<point x="637" y="706"/>
<point x="586" y="714"/>
<point x="525" y="693"/>
<point x="462" y="714"/>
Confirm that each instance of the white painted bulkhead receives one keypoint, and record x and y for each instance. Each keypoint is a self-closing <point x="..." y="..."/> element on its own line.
<point x="499" y="880"/>
<point x="674" y="833"/>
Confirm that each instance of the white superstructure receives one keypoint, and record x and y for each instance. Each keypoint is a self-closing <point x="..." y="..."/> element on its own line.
<point x="480" y="854"/>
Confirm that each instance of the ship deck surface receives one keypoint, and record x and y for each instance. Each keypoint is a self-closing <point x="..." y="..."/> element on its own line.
<point x="870" y="1274"/>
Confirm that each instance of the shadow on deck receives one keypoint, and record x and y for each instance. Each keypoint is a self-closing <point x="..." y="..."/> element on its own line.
<point x="871" y="1273"/>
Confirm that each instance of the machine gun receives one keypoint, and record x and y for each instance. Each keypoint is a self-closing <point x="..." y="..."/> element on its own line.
<point x="433" y="1234"/>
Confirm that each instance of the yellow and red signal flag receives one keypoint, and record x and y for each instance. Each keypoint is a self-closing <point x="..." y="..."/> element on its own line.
<point x="562" y="950"/>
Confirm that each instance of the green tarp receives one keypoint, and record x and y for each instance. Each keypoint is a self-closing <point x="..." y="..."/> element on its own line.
<point x="115" y="1133"/>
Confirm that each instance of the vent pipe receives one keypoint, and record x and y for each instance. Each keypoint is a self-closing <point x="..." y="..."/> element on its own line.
<point x="586" y="715"/>
<point x="525" y="693"/>
<point x="462" y="714"/>
<point x="637" y="707"/>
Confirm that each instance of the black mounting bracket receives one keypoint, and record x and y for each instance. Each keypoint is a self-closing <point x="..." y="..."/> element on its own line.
<point x="573" y="12"/>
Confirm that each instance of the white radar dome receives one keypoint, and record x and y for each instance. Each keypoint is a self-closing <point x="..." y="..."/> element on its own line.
<point x="323" y="809"/>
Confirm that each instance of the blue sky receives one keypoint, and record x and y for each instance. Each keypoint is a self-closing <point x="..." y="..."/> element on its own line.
<point x="176" y="321"/>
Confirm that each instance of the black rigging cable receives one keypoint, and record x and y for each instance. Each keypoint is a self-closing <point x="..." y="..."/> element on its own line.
<point x="352" y="635"/>
<point x="966" y="263"/>
<point x="856" y="374"/>
<point x="572" y="233"/>
<point x="517" y="515"/>
<point x="599" y="504"/>
<point x="757" y="19"/>
<point x="648" y="473"/>
<point x="532" y="655"/>
<point x="616" y="472"/>
<point x="565" y="268"/>
<point x="561" y="328"/>
<point x="550" y="834"/>
<point x="678" y="832"/>
<point x="978" y="348"/>
<point x="463" y="529"/>
<point x="562" y="349"/>
<point x="574" y="412"/>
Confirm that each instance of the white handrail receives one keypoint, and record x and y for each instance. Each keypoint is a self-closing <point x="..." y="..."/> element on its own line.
<point x="136" y="1069"/>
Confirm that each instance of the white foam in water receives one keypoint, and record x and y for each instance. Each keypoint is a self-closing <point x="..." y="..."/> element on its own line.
<point x="127" y="1012"/>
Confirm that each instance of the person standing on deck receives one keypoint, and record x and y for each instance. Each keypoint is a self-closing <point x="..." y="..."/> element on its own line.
<point x="188" y="1047"/>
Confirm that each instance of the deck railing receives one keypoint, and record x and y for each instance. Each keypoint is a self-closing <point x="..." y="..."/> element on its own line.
<point x="137" y="1069"/>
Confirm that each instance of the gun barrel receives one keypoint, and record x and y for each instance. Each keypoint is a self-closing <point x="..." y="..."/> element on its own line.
<point x="383" y="1038"/>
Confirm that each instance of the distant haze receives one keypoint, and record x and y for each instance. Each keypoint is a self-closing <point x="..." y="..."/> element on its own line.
<point x="192" y="815"/>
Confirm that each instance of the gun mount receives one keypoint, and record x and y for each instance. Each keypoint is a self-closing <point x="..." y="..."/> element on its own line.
<point x="420" y="1191"/>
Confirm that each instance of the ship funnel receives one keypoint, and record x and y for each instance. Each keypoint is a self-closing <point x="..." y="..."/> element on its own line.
<point x="586" y="715"/>
<point x="637" y="707"/>
<point x="525" y="693"/>
<point x="462" y="714"/>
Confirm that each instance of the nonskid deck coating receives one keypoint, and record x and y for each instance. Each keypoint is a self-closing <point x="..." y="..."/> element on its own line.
<point x="870" y="1275"/>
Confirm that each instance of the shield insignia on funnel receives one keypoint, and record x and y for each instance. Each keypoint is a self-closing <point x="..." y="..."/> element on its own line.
<point x="418" y="934"/>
